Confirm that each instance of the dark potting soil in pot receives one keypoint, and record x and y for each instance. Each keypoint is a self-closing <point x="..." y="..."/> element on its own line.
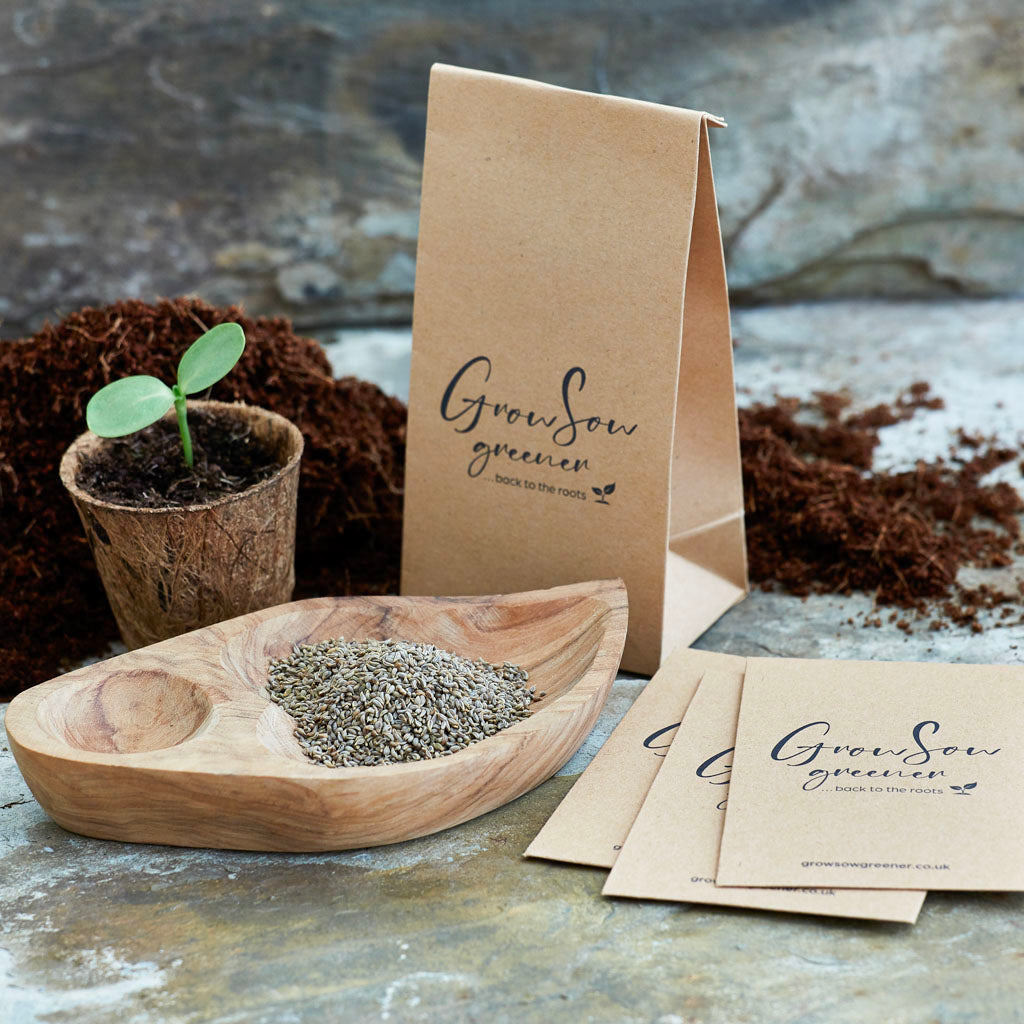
<point x="147" y="469"/>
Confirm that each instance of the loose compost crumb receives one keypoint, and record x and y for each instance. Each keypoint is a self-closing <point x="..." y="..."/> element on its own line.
<point x="147" y="469"/>
<point x="53" y="612"/>
<point x="372" y="702"/>
<point x="821" y="520"/>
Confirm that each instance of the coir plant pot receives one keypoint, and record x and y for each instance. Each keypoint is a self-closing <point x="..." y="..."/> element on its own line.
<point x="173" y="569"/>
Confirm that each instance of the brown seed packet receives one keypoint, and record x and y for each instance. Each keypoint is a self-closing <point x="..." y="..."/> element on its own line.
<point x="592" y="821"/>
<point x="872" y="773"/>
<point x="671" y="851"/>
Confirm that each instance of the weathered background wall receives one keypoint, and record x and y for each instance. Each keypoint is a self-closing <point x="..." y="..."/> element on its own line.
<point x="270" y="153"/>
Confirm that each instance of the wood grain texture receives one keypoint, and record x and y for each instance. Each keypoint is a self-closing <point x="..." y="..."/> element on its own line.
<point x="179" y="744"/>
<point x="168" y="571"/>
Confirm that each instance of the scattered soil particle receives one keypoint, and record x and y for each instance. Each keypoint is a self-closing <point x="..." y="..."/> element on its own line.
<point x="147" y="469"/>
<point x="53" y="612"/>
<point x="821" y="520"/>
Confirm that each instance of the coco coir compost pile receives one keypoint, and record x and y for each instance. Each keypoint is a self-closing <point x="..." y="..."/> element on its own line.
<point x="819" y="519"/>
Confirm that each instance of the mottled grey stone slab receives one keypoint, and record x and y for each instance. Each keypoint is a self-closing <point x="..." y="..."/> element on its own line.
<point x="270" y="153"/>
<point x="458" y="926"/>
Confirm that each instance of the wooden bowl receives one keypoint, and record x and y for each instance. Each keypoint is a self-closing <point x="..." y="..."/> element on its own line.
<point x="178" y="743"/>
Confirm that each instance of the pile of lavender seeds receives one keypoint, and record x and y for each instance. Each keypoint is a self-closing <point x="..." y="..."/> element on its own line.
<point x="372" y="702"/>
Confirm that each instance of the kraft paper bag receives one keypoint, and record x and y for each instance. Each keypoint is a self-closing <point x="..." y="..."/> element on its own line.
<point x="590" y="825"/>
<point x="571" y="410"/>
<point x="671" y="851"/>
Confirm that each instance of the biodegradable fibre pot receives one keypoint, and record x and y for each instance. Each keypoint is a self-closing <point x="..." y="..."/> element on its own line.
<point x="171" y="570"/>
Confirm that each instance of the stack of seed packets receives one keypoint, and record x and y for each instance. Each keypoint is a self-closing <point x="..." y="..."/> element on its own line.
<point x="820" y="787"/>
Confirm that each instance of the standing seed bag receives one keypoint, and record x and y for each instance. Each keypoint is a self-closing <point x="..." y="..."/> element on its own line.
<point x="571" y="408"/>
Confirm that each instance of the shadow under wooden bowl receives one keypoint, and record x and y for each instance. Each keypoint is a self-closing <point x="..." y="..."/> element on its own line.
<point x="178" y="743"/>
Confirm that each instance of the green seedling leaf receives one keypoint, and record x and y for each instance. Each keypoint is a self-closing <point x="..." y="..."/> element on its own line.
<point x="127" y="405"/>
<point x="135" y="402"/>
<point x="210" y="357"/>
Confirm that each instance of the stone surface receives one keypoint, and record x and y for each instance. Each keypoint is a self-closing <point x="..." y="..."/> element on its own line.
<point x="270" y="153"/>
<point x="458" y="926"/>
<point x="455" y="927"/>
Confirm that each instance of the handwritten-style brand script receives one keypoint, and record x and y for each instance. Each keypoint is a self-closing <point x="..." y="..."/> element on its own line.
<point x="466" y="404"/>
<point x="806" y="745"/>
<point x="661" y="739"/>
<point x="716" y="771"/>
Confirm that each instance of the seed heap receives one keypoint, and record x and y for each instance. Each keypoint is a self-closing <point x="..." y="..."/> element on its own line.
<point x="367" y="702"/>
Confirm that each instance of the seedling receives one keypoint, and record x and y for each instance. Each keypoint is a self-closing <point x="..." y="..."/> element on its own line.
<point x="129" y="404"/>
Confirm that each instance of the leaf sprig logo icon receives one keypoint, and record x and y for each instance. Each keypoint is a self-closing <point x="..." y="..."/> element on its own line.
<point x="603" y="492"/>
<point x="963" y="790"/>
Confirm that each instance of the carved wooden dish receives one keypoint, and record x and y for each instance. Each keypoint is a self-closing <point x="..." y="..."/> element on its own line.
<point x="178" y="743"/>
